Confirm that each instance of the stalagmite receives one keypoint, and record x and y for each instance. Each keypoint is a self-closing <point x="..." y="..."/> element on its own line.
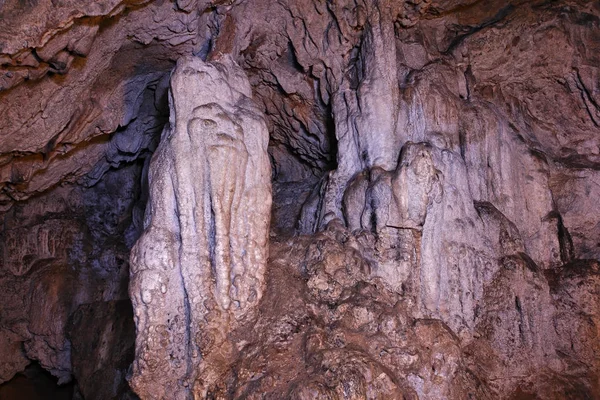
<point x="198" y="269"/>
<point x="433" y="169"/>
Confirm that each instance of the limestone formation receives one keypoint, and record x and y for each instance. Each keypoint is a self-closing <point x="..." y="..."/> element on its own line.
<point x="59" y="253"/>
<point x="102" y="348"/>
<point x="199" y="268"/>
<point x="434" y="171"/>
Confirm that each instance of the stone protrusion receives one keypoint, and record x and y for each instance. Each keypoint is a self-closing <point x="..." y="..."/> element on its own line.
<point x="198" y="269"/>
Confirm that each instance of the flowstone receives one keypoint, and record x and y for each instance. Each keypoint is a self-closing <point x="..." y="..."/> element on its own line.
<point x="198" y="269"/>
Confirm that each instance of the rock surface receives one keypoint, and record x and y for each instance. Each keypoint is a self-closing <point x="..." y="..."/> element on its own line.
<point x="102" y="338"/>
<point x="198" y="269"/>
<point x="435" y="172"/>
<point x="61" y="252"/>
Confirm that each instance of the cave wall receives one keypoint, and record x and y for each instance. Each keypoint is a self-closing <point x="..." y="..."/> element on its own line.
<point x="64" y="280"/>
<point x="451" y="147"/>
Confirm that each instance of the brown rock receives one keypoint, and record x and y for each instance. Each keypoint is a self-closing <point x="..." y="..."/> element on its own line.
<point x="439" y="157"/>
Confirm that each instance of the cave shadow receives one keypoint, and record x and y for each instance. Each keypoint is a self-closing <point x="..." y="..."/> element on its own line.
<point x="35" y="383"/>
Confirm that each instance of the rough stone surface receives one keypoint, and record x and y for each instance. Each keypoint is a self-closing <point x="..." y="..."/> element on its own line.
<point x="435" y="172"/>
<point x="74" y="78"/>
<point x="337" y="331"/>
<point x="102" y="338"/>
<point x="61" y="250"/>
<point x="198" y="269"/>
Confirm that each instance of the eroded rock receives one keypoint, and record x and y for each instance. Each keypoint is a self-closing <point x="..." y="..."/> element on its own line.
<point x="58" y="252"/>
<point x="441" y="157"/>
<point x="198" y="269"/>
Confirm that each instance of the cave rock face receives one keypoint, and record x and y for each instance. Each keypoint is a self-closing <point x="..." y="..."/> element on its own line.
<point x="198" y="269"/>
<point x="435" y="170"/>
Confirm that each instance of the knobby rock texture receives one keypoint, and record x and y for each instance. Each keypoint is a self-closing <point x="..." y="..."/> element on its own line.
<point x="198" y="269"/>
<point x="434" y="170"/>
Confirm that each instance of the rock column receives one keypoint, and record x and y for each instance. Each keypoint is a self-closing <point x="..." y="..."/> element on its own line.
<point x="198" y="270"/>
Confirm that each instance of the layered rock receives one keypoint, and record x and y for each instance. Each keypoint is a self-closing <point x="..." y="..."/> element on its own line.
<point x="198" y="269"/>
<point x="441" y="158"/>
<point x="59" y="253"/>
<point x="74" y="77"/>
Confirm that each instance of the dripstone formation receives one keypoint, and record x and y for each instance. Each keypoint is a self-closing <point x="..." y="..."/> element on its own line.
<point x="353" y="199"/>
<point x="199" y="268"/>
